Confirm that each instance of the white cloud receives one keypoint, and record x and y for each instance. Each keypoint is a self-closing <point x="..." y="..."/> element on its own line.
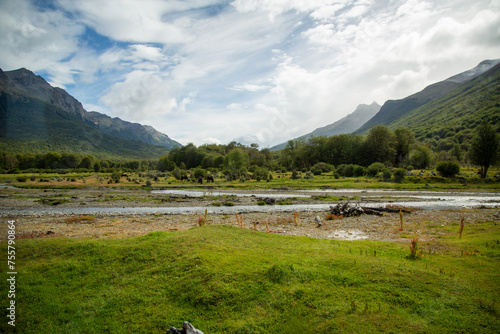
<point x="259" y="70"/>
<point x="35" y="39"/>
<point x="250" y="87"/>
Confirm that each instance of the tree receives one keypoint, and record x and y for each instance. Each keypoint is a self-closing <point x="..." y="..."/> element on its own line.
<point x="236" y="162"/>
<point x="421" y="156"/>
<point x="379" y="145"/>
<point x="484" y="147"/>
<point x="404" y="139"/>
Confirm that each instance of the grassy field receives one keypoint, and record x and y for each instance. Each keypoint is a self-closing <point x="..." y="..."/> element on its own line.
<point x="228" y="280"/>
<point x="468" y="180"/>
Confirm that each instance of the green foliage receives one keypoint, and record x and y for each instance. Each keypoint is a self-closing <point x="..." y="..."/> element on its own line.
<point x="347" y="170"/>
<point x="321" y="167"/>
<point x="199" y="172"/>
<point x="399" y="175"/>
<point x="309" y="176"/>
<point x="22" y="178"/>
<point x="420" y="156"/>
<point x="375" y="168"/>
<point x="359" y="171"/>
<point x="448" y="168"/>
<point x="266" y="284"/>
<point x="485" y="147"/>
<point x="455" y="116"/>
<point x="380" y="145"/>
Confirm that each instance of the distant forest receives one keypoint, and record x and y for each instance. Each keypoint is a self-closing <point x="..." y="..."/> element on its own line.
<point x="381" y="146"/>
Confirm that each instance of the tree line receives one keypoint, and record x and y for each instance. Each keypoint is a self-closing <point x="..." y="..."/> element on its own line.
<point x="55" y="161"/>
<point x="382" y="147"/>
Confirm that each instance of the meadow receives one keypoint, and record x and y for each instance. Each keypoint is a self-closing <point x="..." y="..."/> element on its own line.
<point x="224" y="279"/>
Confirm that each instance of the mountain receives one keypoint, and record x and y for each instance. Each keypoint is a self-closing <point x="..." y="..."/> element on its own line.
<point x="395" y="109"/>
<point x="25" y="82"/>
<point x="347" y="124"/>
<point x="36" y="117"/>
<point x="132" y="131"/>
<point x="452" y="118"/>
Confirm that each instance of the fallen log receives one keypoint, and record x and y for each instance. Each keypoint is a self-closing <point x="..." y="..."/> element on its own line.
<point x="370" y="211"/>
<point x="391" y="210"/>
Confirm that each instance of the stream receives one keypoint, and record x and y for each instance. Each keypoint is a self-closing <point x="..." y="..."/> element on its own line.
<point x="365" y="197"/>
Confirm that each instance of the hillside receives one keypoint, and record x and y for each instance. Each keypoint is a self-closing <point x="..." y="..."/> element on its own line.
<point x="28" y="125"/>
<point x="25" y="83"/>
<point x="453" y="117"/>
<point x="392" y="110"/>
<point x="345" y="125"/>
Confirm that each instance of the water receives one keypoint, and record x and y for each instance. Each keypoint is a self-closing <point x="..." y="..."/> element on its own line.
<point x="199" y="193"/>
<point x="374" y="198"/>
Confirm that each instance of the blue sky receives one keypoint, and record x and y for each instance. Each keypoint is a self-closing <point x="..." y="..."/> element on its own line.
<point x="254" y="71"/>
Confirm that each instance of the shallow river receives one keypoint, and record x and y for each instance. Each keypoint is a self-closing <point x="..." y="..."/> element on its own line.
<point x="368" y="198"/>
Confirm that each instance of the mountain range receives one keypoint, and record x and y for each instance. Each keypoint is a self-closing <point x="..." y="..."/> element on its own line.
<point x="348" y="124"/>
<point x="35" y="117"/>
<point x="449" y="108"/>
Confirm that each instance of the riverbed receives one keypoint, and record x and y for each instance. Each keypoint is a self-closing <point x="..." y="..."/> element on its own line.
<point x="118" y="213"/>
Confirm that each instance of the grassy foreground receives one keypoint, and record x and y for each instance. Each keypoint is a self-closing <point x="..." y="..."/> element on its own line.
<point x="228" y="280"/>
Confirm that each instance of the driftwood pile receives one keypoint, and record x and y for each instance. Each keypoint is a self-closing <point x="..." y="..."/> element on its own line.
<point x="351" y="210"/>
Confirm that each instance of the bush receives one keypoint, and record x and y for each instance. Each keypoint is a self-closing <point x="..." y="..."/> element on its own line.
<point x="22" y="179"/>
<point x="359" y="171"/>
<point x="309" y="175"/>
<point x="399" y="175"/>
<point x="375" y="168"/>
<point x="386" y="174"/>
<point x="321" y="167"/>
<point x="199" y="172"/>
<point x="32" y="177"/>
<point x="348" y="171"/>
<point x="260" y="173"/>
<point x="177" y="173"/>
<point x="448" y="168"/>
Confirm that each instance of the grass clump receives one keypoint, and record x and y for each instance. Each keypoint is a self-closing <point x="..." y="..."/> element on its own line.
<point x="225" y="279"/>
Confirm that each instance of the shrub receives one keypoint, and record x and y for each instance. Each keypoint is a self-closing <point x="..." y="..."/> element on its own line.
<point x="321" y="167"/>
<point x="32" y="177"/>
<point x="348" y="171"/>
<point x="415" y="252"/>
<point x="199" y="172"/>
<point x="309" y="175"/>
<point x="375" y="168"/>
<point x="177" y="173"/>
<point x="260" y="173"/>
<point x="340" y="169"/>
<point x="22" y="179"/>
<point x="386" y="174"/>
<point x="359" y="170"/>
<point x="448" y="168"/>
<point x="399" y="175"/>
<point x="336" y="175"/>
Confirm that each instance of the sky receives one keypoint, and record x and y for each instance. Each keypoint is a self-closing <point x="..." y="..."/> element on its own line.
<point x="251" y="71"/>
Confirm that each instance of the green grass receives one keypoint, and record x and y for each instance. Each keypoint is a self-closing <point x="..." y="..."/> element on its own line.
<point x="280" y="180"/>
<point x="228" y="280"/>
